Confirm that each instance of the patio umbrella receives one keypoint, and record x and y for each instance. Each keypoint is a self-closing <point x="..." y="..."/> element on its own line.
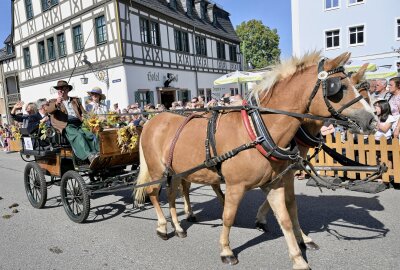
<point x="381" y="73"/>
<point x="356" y="67"/>
<point x="238" y="77"/>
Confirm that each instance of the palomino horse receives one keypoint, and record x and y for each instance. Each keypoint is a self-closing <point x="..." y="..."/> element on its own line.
<point x="290" y="88"/>
<point x="313" y="128"/>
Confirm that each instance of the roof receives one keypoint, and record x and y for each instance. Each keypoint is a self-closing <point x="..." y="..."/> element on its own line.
<point x="8" y="39"/>
<point x="223" y="28"/>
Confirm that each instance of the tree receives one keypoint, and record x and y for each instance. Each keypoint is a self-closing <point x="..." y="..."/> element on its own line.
<point x="259" y="44"/>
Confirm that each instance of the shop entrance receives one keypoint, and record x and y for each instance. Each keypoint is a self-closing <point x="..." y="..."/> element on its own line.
<point x="167" y="97"/>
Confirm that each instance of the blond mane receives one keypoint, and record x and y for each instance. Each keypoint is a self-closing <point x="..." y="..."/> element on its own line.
<point x="284" y="70"/>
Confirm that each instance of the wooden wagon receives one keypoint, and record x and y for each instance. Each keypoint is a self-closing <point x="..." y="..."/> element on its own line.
<point x="52" y="162"/>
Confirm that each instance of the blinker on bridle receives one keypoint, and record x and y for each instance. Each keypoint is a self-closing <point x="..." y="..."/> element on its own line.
<point x="331" y="87"/>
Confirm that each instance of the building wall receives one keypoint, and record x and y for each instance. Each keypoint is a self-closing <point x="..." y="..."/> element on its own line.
<point x="310" y="20"/>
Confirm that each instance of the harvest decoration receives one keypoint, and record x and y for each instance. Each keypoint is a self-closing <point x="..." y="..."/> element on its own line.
<point x="42" y="130"/>
<point x="15" y="133"/>
<point x="128" y="139"/>
<point x="112" y="119"/>
<point x="93" y="123"/>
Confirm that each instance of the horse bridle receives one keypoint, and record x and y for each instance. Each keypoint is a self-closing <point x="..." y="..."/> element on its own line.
<point x="331" y="87"/>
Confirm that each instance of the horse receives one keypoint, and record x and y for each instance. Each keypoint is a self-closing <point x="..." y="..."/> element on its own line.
<point x="313" y="128"/>
<point x="290" y="87"/>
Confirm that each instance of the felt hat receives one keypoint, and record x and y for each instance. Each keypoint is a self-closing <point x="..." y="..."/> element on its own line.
<point x="61" y="84"/>
<point x="97" y="90"/>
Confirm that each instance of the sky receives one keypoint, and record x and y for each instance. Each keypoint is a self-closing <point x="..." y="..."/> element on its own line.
<point x="274" y="14"/>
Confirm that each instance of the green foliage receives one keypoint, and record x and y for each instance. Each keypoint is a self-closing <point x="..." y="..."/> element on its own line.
<point x="259" y="44"/>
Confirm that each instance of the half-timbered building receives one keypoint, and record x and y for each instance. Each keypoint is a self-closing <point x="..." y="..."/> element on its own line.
<point x="145" y="51"/>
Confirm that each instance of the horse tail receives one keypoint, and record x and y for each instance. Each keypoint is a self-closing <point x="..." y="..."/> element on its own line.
<point x="143" y="177"/>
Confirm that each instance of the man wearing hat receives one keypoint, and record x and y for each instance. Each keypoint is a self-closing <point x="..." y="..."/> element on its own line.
<point x="95" y="105"/>
<point x="66" y="116"/>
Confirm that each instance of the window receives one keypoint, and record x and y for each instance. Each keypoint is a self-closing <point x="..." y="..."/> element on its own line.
<point x="232" y="53"/>
<point x="27" y="58"/>
<point x="356" y="35"/>
<point x="332" y="39"/>
<point x="9" y="48"/>
<point x="172" y="3"/>
<point x="61" y="45"/>
<point x="101" y="30"/>
<point x="150" y="32"/>
<point x="201" y="46"/>
<point x="189" y="7"/>
<point x="28" y="9"/>
<point x="329" y="4"/>
<point x="353" y="2"/>
<point x="144" y="97"/>
<point x="203" y="10"/>
<point x="51" y="50"/>
<point x="46" y="4"/>
<point x="220" y="50"/>
<point x="181" y="41"/>
<point x="78" y="38"/>
<point x="398" y="28"/>
<point x="184" y="95"/>
<point x="42" y="52"/>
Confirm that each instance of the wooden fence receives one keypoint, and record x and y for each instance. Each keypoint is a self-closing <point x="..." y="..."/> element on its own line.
<point x="363" y="150"/>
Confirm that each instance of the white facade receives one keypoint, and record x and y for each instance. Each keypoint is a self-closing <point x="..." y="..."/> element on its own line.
<point x="369" y="29"/>
<point x="124" y="64"/>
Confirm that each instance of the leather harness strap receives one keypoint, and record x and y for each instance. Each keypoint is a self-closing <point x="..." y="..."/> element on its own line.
<point x="168" y="170"/>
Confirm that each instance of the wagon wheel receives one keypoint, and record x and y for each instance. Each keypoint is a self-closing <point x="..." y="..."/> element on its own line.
<point x="35" y="185"/>
<point x="74" y="196"/>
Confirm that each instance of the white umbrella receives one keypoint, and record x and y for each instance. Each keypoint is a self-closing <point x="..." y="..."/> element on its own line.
<point x="381" y="73"/>
<point x="238" y="77"/>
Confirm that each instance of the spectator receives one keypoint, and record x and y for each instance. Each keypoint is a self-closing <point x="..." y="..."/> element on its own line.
<point x="31" y="120"/>
<point x="372" y="86"/>
<point x="394" y="101"/>
<point x="42" y="105"/>
<point x="386" y="119"/>
<point x="116" y="109"/>
<point x="96" y="106"/>
<point x="327" y="128"/>
<point x="380" y="91"/>
<point x="2" y="133"/>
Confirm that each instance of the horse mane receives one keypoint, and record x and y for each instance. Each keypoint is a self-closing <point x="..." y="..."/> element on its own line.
<point x="284" y="70"/>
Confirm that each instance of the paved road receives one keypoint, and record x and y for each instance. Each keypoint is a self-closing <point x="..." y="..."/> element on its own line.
<point x="354" y="230"/>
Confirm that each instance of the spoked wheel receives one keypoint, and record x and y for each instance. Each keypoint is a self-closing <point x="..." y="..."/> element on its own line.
<point x="35" y="185"/>
<point x="74" y="196"/>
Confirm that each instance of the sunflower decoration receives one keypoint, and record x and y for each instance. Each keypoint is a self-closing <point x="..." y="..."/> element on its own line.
<point x="93" y="123"/>
<point x="15" y="133"/>
<point x="128" y="139"/>
<point x="42" y="130"/>
<point x="112" y="119"/>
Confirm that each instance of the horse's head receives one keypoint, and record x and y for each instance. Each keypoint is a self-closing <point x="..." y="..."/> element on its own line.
<point x="335" y="96"/>
<point x="361" y="84"/>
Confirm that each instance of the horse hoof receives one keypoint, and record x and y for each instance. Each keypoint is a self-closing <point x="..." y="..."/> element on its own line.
<point x="163" y="236"/>
<point x="181" y="234"/>
<point x="262" y="227"/>
<point x="231" y="260"/>
<point x="191" y="219"/>
<point x="311" y="246"/>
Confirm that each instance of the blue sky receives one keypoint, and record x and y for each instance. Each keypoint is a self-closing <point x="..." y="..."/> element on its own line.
<point x="274" y="14"/>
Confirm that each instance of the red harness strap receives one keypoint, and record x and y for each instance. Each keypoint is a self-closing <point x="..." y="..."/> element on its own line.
<point x="252" y="135"/>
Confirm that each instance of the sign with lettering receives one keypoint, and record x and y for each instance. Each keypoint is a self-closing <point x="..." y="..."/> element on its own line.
<point x="115" y="81"/>
<point x="153" y="76"/>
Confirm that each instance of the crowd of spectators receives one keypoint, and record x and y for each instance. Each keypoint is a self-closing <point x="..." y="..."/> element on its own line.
<point x="385" y="98"/>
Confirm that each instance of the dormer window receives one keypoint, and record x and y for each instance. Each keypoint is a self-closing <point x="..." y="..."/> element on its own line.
<point x="172" y="3"/>
<point x="189" y="7"/>
<point x="9" y="48"/>
<point x="203" y="10"/>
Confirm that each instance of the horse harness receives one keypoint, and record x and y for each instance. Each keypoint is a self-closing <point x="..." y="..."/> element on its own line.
<point x="260" y="137"/>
